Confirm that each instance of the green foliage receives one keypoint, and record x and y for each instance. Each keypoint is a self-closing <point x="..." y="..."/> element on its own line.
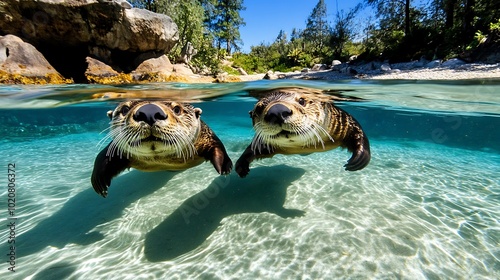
<point x="495" y="26"/>
<point x="317" y="30"/>
<point x="343" y="31"/>
<point x="251" y="64"/>
<point x="207" y="56"/>
<point x="223" y="21"/>
<point x="403" y="30"/>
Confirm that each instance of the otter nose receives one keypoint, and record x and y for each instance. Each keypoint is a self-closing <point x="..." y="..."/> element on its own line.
<point x="277" y="114"/>
<point x="149" y="114"/>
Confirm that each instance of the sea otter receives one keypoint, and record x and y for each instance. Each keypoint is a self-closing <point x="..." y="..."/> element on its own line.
<point x="154" y="136"/>
<point x="301" y="121"/>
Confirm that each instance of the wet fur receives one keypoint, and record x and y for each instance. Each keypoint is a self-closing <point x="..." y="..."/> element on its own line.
<point x="179" y="142"/>
<point x="315" y="125"/>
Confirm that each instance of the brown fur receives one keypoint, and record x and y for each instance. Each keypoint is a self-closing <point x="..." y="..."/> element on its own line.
<point x="178" y="140"/>
<point x="312" y="123"/>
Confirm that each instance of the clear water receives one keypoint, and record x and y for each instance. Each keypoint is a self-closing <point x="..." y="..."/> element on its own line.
<point x="426" y="207"/>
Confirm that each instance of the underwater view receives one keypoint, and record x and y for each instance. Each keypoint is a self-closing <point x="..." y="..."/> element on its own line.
<point x="427" y="206"/>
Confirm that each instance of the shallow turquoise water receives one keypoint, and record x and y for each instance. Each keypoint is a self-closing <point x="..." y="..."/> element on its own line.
<point x="426" y="207"/>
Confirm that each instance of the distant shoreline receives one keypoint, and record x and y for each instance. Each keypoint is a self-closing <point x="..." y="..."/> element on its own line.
<point x="463" y="72"/>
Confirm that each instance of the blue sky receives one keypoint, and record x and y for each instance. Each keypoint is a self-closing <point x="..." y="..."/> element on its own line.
<point x="265" y="18"/>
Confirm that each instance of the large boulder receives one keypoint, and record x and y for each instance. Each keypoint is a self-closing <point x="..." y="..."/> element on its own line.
<point x="21" y="62"/>
<point x="66" y="32"/>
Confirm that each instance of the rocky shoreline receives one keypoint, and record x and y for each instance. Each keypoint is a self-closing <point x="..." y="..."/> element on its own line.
<point x="459" y="70"/>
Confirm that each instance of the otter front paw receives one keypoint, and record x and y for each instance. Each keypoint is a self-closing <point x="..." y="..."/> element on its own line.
<point x="221" y="162"/>
<point x="225" y="167"/>
<point x="105" y="168"/>
<point x="242" y="168"/>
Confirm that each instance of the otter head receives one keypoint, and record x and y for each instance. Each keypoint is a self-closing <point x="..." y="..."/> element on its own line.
<point x="153" y="128"/>
<point x="290" y="118"/>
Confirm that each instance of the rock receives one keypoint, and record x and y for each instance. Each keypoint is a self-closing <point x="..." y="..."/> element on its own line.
<point x="159" y="65"/>
<point x="124" y="4"/>
<point x="270" y="76"/>
<point x="319" y="67"/>
<point x="385" y="67"/>
<point x="433" y="64"/>
<point x="100" y="73"/>
<point x="370" y="66"/>
<point x="336" y="62"/>
<point x="304" y="70"/>
<point x="422" y="62"/>
<point x="99" y="68"/>
<point x="348" y="70"/>
<point x="187" y="53"/>
<point x="242" y="71"/>
<point x="19" y="59"/>
<point x="338" y="67"/>
<point x="405" y="65"/>
<point x="226" y="78"/>
<point x="182" y="69"/>
<point x="452" y="63"/>
<point x="66" y="32"/>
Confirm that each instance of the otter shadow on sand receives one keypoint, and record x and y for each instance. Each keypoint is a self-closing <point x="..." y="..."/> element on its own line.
<point x="200" y="215"/>
<point x="74" y="222"/>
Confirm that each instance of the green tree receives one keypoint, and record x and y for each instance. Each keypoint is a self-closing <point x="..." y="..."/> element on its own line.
<point x="224" y="20"/>
<point x="317" y="29"/>
<point x="343" y="30"/>
<point x="393" y="11"/>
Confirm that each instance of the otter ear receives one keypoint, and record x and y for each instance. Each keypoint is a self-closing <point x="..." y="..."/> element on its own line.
<point x="197" y="112"/>
<point x="251" y="114"/>
<point x="110" y="114"/>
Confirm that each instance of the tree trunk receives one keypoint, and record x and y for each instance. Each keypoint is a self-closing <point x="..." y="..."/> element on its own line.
<point x="468" y="29"/>
<point x="407" y="18"/>
<point x="449" y="10"/>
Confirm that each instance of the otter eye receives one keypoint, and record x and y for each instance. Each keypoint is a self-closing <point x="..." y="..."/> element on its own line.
<point x="258" y="110"/>
<point x="177" y="110"/>
<point x="302" y="101"/>
<point x="124" y="110"/>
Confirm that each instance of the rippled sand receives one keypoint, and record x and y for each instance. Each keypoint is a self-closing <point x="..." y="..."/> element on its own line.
<point x="418" y="211"/>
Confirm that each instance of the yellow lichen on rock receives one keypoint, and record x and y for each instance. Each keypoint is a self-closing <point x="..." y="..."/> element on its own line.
<point x="109" y="80"/>
<point x="8" y="78"/>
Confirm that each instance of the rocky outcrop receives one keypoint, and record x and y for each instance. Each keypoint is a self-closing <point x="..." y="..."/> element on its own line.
<point x="66" y="32"/>
<point x="151" y="70"/>
<point x="20" y="62"/>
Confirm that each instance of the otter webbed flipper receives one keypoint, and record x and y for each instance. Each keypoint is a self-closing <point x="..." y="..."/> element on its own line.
<point x="357" y="143"/>
<point x="105" y="168"/>
<point x="211" y="148"/>
<point x="360" y="157"/>
<point x="221" y="161"/>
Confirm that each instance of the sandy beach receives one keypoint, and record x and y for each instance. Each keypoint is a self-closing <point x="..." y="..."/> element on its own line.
<point x="461" y="72"/>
